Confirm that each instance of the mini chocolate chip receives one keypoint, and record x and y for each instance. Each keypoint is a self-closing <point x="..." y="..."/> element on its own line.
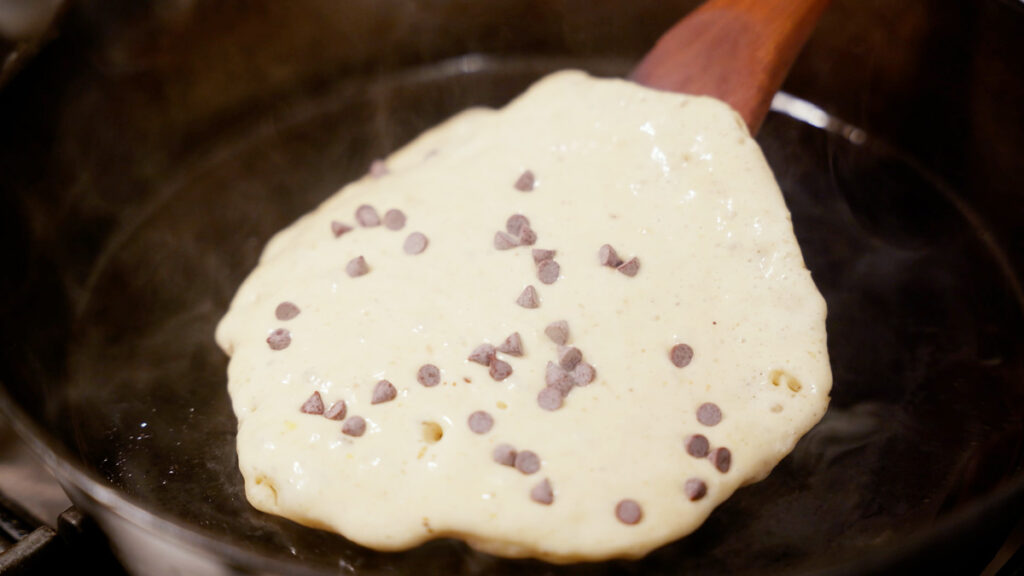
<point x="550" y="398"/>
<point x="681" y="355"/>
<point x="384" y="391"/>
<point x="607" y="257"/>
<point x="558" y="332"/>
<point x="558" y="378"/>
<point x="415" y="243"/>
<point x="482" y="354"/>
<point x="339" y="228"/>
<point x="527" y="237"/>
<point x="504" y="240"/>
<point x="525" y="181"/>
<point x="529" y="298"/>
<point x="548" y="271"/>
<point x="542" y="492"/>
<point x="504" y="454"/>
<point x="429" y="375"/>
<point x="629" y="268"/>
<point x="721" y="458"/>
<point x="394" y="219"/>
<point x="337" y="411"/>
<point x="480" y="422"/>
<point x="527" y="462"/>
<point x="313" y="405"/>
<point x="695" y="489"/>
<point x="697" y="445"/>
<point x="500" y="369"/>
<point x="356" y="267"/>
<point x="583" y="374"/>
<point x="513" y="345"/>
<point x="378" y="168"/>
<point x="628" y="511"/>
<point x="569" y="357"/>
<point x="540" y="255"/>
<point x="366" y="215"/>
<point x="286" y="311"/>
<point x="515" y="224"/>
<point x="354" y="426"/>
<point x="709" y="414"/>
<point x="279" y="339"/>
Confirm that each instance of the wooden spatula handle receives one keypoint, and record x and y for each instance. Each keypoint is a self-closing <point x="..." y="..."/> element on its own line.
<point x="738" y="51"/>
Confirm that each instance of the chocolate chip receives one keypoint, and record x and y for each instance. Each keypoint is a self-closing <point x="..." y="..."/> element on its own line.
<point x="628" y="511"/>
<point x="583" y="374"/>
<point x="697" y="445"/>
<point x="366" y="215"/>
<point x="629" y="268"/>
<point x="721" y="458"/>
<point x="681" y="355"/>
<point x="513" y="345"/>
<point x="527" y="462"/>
<point x="500" y="369"/>
<point x="415" y="243"/>
<point x="313" y="405"/>
<point x="286" y="311"/>
<point x="354" y="426"/>
<point x="558" y="332"/>
<point x="540" y="255"/>
<point x="339" y="228"/>
<point x="480" y="422"/>
<point x="550" y="398"/>
<point x="548" y="271"/>
<point x="504" y="454"/>
<point x="337" y="411"/>
<point x="516" y="223"/>
<point x="525" y="181"/>
<point x="482" y="354"/>
<point x="394" y="219"/>
<point x="527" y="237"/>
<point x="384" y="391"/>
<point x="504" y="240"/>
<point x="695" y="489"/>
<point x="558" y="378"/>
<point x="378" y="168"/>
<point x="429" y="375"/>
<point x="529" y="298"/>
<point x="709" y="414"/>
<point x="356" y="267"/>
<point x="569" y="357"/>
<point x="607" y="257"/>
<point x="542" y="492"/>
<point x="279" y="339"/>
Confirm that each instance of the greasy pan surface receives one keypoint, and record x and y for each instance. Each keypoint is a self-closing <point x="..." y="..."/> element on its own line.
<point x="107" y="340"/>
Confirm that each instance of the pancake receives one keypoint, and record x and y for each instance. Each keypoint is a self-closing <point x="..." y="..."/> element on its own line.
<point x="567" y="330"/>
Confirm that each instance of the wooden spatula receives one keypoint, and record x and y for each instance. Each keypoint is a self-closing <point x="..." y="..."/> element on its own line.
<point x="738" y="51"/>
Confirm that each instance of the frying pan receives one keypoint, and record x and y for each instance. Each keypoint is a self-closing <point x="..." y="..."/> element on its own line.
<point x="149" y="151"/>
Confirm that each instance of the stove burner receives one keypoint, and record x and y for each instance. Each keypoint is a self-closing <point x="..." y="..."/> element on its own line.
<point x="28" y="547"/>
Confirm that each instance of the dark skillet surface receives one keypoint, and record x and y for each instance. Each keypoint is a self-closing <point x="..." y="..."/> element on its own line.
<point x="926" y="402"/>
<point x="924" y="331"/>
